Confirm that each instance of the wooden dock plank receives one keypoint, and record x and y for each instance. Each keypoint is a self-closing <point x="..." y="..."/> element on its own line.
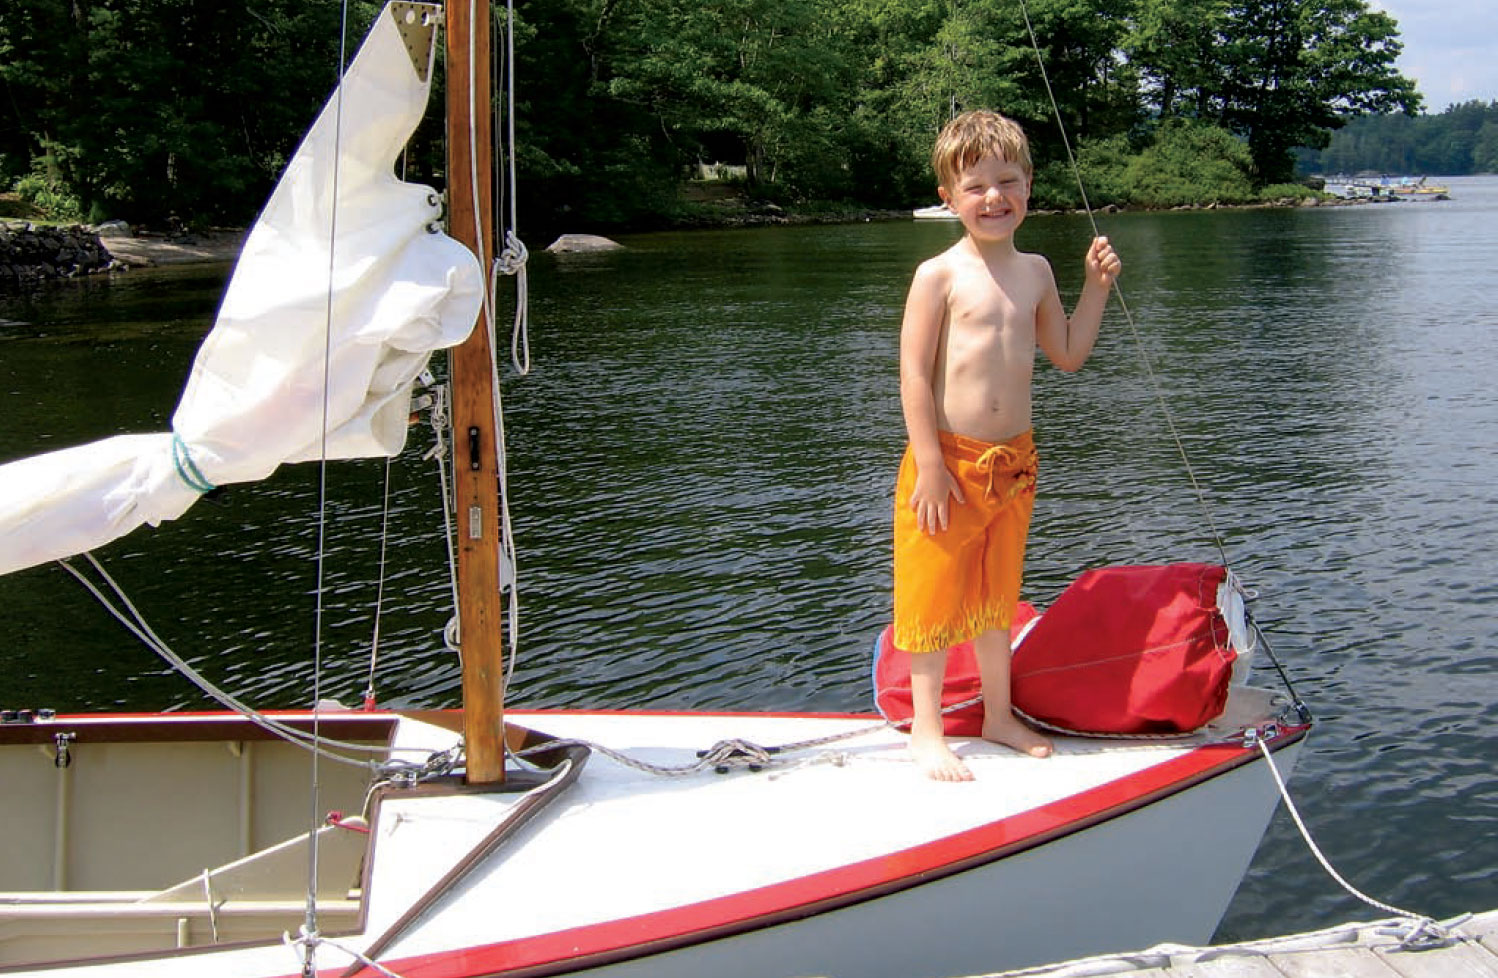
<point x="1335" y="962"/>
<point x="1484" y="928"/>
<point x="1457" y="961"/>
<point x="1349" y="951"/>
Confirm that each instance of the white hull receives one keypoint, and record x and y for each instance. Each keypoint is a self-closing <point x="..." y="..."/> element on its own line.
<point x="846" y="862"/>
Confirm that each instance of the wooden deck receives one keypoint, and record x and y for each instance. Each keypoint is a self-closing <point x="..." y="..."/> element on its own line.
<point x="1351" y="951"/>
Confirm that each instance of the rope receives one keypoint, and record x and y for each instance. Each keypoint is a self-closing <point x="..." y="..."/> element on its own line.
<point x="734" y="752"/>
<point x="1165" y="957"/>
<point x="438" y="453"/>
<point x="510" y="261"/>
<point x="1305" y="833"/>
<point x="1149" y="369"/>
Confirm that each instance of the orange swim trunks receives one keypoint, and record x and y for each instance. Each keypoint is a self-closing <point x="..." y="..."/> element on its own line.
<point x="957" y="583"/>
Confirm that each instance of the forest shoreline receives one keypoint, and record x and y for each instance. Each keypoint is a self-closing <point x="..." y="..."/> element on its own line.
<point x="223" y="245"/>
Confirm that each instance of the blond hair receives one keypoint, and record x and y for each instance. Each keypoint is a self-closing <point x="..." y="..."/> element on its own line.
<point x="972" y="136"/>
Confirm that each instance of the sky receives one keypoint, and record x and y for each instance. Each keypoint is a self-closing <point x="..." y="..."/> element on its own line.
<point x="1450" y="48"/>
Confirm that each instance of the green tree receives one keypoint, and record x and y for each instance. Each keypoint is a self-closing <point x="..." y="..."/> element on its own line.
<point x="1298" y="69"/>
<point x="1174" y="47"/>
<point x="1485" y="149"/>
<point x="1186" y="162"/>
<point x="733" y="81"/>
<point x="140" y="120"/>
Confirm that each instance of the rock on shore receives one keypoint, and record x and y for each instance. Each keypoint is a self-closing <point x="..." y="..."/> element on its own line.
<point x="582" y="242"/>
<point x="31" y="253"/>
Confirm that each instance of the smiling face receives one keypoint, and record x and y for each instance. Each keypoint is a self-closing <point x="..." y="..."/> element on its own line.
<point x="992" y="197"/>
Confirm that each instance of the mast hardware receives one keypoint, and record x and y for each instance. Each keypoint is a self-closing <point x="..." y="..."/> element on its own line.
<point x="417" y="25"/>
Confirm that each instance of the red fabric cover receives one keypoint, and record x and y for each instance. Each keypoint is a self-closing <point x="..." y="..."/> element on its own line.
<point x="1123" y="650"/>
<point x="1129" y="650"/>
<point x="892" y="680"/>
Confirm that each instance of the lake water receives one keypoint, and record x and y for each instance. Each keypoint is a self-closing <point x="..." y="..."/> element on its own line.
<point x="702" y="467"/>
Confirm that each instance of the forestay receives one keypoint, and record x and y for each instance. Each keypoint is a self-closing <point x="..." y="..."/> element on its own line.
<point x="365" y="314"/>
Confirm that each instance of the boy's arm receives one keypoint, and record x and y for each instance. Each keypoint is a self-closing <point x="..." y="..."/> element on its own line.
<point x="1068" y="343"/>
<point x="920" y="336"/>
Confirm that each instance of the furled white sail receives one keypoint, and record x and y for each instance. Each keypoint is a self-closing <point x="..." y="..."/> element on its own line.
<point x="342" y="287"/>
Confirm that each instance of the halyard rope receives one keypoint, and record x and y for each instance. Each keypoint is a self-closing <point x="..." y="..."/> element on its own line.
<point x="1123" y="306"/>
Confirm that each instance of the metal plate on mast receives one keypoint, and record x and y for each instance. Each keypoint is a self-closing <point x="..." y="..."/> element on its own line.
<point x="417" y="25"/>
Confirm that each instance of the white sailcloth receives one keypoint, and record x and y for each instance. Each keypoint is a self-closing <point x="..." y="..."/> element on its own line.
<point x="341" y="287"/>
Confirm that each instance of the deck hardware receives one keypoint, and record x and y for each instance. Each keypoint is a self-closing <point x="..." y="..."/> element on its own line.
<point x="1253" y="735"/>
<point x="728" y="754"/>
<point x="473" y="448"/>
<point x="63" y="757"/>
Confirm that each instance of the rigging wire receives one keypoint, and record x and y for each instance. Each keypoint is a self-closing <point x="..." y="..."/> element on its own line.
<point x="370" y="699"/>
<point x="1123" y="305"/>
<point x="129" y="616"/>
<point x="309" y="966"/>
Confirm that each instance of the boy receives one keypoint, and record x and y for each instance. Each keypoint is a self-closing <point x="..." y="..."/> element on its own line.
<point x="973" y="318"/>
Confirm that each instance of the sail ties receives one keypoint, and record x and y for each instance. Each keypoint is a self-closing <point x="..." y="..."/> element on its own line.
<point x="187" y="469"/>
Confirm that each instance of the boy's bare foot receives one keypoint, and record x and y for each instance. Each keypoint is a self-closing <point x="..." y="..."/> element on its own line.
<point x="1011" y="731"/>
<point x="936" y="759"/>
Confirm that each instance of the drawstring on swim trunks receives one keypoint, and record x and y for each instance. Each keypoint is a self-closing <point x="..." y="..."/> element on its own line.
<point x="1003" y="459"/>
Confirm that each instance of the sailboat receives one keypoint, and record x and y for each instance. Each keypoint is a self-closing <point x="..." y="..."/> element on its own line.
<point x="469" y="842"/>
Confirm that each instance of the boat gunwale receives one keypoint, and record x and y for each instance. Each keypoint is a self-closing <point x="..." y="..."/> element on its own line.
<point x="141" y="728"/>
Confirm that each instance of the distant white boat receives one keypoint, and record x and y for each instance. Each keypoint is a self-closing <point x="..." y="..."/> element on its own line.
<point x="936" y="212"/>
<point x="1388" y="188"/>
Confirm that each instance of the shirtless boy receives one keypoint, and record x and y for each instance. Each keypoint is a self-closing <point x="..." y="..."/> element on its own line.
<point x="973" y="318"/>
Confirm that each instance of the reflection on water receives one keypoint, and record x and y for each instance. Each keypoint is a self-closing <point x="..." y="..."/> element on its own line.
<point x="702" y="467"/>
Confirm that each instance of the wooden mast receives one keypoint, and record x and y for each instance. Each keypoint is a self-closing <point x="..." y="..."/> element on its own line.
<point x="475" y="461"/>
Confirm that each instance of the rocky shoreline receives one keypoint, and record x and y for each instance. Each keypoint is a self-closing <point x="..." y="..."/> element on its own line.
<point x="30" y="254"/>
<point x="34" y="253"/>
